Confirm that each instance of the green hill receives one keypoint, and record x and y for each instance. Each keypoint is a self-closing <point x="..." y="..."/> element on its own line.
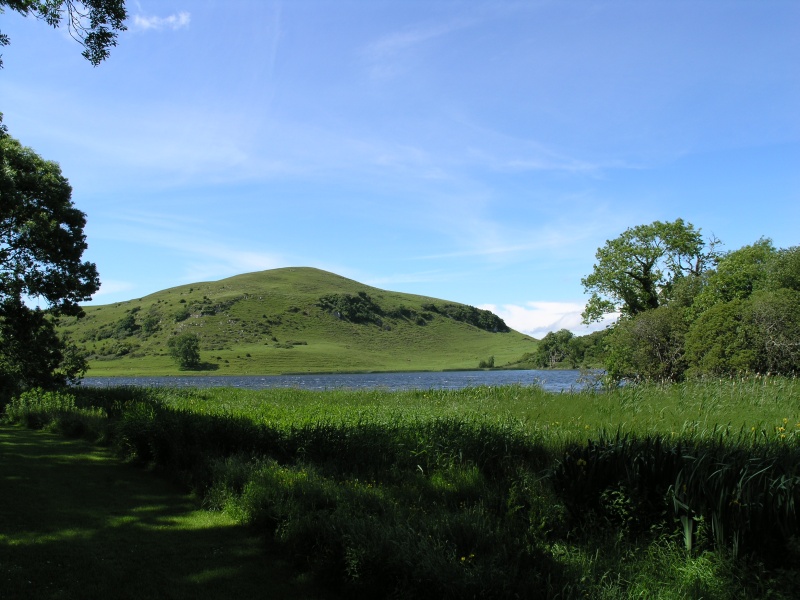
<point x="292" y="320"/>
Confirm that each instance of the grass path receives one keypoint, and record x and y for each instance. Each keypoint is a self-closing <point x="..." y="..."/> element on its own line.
<point x="75" y="522"/>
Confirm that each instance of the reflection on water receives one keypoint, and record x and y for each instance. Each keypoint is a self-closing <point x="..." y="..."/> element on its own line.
<point x="555" y="381"/>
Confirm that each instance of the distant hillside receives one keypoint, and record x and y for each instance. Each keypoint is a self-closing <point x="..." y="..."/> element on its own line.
<point x="292" y="320"/>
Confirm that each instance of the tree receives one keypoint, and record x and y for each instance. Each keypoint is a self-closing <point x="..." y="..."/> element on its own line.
<point x="41" y="248"/>
<point x="94" y="24"/>
<point x="783" y="272"/>
<point x="717" y="341"/>
<point x="759" y="334"/>
<point x="185" y="349"/>
<point x="556" y="347"/>
<point x="737" y="275"/>
<point x="775" y="318"/>
<point x="638" y="270"/>
<point x="649" y="346"/>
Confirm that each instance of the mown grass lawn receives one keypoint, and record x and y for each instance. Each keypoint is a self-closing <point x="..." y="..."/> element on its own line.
<point x="75" y="522"/>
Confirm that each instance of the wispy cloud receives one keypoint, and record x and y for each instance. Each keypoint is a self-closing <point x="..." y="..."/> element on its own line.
<point x="396" y="42"/>
<point x="537" y="319"/>
<point x="203" y="254"/>
<point x="383" y="54"/>
<point x="491" y="250"/>
<point x="173" y="22"/>
<point x="495" y="239"/>
<point x="498" y="150"/>
<point x="109" y="287"/>
<point x="222" y="260"/>
<point x="433" y="276"/>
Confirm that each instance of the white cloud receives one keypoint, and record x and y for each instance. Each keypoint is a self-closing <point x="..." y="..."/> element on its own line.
<point x="537" y="319"/>
<point x="174" y="22"/>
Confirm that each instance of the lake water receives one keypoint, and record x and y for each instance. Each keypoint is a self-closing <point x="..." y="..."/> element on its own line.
<point x="555" y="381"/>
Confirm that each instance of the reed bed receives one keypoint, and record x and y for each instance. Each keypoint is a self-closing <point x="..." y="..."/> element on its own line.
<point x="686" y="491"/>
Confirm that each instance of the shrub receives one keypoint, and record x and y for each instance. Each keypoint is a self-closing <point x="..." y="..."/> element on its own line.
<point x="649" y="346"/>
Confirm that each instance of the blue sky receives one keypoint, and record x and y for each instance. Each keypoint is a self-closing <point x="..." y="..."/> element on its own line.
<point x="474" y="151"/>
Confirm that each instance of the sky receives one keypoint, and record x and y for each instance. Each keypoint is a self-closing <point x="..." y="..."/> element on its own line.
<point x="475" y="151"/>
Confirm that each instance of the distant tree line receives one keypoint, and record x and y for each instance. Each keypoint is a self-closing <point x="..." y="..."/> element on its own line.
<point x="482" y="319"/>
<point x="361" y="308"/>
<point x="687" y="309"/>
<point x="564" y="350"/>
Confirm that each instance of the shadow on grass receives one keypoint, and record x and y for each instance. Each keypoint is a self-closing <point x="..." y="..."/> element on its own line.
<point x="77" y="523"/>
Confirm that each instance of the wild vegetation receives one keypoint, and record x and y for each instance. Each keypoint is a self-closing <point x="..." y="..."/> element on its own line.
<point x="687" y="309"/>
<point x="288" y="321"/>
<point x="673" y="491"/>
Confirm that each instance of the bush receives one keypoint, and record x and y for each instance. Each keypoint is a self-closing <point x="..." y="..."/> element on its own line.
<point x="649" y="346"/>
<point x="756" y="335"/>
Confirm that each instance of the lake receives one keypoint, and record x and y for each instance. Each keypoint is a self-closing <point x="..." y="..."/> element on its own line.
<point x="555" y="381"/>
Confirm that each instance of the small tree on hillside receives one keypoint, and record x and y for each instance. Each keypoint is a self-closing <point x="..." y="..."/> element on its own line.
<point x="185" y="349"/>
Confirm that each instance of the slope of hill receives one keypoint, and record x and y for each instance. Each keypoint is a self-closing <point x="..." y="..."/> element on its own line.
<point x="292" y="320"/>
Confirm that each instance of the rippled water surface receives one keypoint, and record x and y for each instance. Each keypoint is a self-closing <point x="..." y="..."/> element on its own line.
<point x="550" y="380"/>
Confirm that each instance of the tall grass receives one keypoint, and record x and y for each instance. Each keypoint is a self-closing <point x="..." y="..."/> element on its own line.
<point x="486" y="492"/>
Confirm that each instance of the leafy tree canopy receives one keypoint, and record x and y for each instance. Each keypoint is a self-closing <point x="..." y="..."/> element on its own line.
<point x="637" y="271"/>
<point x="738" y="317"/>
<point x="41" y="248"/>
<point x="738" y="274"/>
<point x="759" y="334"/>
<point x="41" y="233"/>
<point x="92" y="23"/>
<point x="555" y="348"/>
<point x="185" y="349"/>
<point x="783" y="272"/>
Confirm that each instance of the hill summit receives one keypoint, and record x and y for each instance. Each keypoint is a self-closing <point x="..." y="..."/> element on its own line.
<point x="292" y="320"/>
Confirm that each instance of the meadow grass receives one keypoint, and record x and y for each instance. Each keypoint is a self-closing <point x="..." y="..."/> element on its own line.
<point x="680" y="491"/>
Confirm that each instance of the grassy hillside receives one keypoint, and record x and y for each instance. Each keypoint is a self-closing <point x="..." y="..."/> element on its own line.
<point x="292" y="320"/>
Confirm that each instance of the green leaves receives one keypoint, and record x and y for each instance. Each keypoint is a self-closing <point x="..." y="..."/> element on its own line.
<point x="41" y="233"/>
<point x="686" y="309"/>
<point x="185" y="349"/>
<point x="636" y="271"/>
<point x="41" y="246"/>
<point x="94" y="24"/>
